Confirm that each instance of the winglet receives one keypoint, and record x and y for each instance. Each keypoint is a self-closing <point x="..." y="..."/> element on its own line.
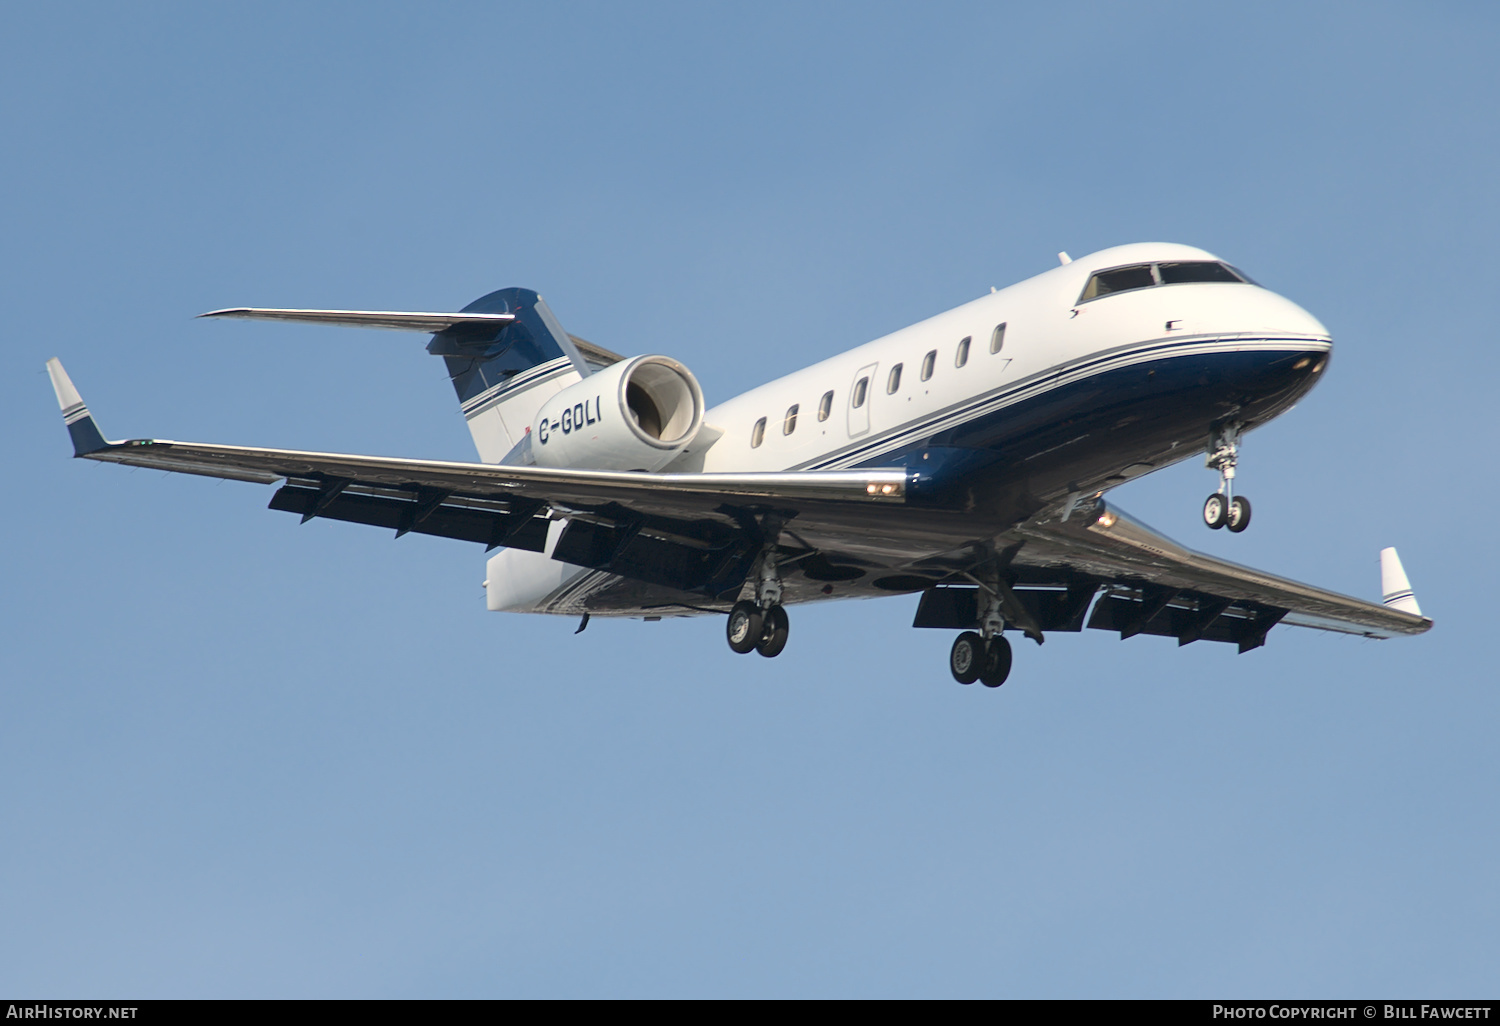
<point x="81" y="427"/>
<point x="1394" y="587"/>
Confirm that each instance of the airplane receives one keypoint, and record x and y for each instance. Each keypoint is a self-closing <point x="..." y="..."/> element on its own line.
<point x="965" y="458"/>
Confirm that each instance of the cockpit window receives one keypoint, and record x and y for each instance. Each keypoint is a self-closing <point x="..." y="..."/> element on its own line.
<point x="1143" y="276"/>
<point x="1196" y="270"/>
<point x="1121" y="279"/>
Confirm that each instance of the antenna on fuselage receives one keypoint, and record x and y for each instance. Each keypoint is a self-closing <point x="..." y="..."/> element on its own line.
<point x="1064" y="259"/>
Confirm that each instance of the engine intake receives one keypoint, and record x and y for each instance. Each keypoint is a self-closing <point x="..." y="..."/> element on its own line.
<point x="634" y="415"/>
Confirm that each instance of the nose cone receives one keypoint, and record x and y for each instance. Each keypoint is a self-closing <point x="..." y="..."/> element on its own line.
<point x="1284" y="351"/>
<point x="1284" y="317"/>
<point x="1237" y="310"/>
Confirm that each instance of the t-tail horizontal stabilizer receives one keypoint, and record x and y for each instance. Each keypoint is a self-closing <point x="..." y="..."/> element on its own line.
<point x="1395" y="589"/>
<point x="85" y="433"/>
<point x="393" y="320"/>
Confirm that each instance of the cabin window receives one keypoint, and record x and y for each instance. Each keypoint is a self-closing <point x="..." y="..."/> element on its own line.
<point x="997" y="338"/>
<point x="789" y="424"/>
<point x="1186" y="272"/>
<point x="928" y="362"/>
<point x="962" y="356"/>
<point x="758" y="433"/>
<point x="894" y="381"/>
<point x="860" y="388"/>
<point x="825" y="405"/>
<point x="1119" y="279"/>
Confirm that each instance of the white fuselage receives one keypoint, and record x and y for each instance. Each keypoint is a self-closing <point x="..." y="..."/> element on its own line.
<point x="949" y="370"/>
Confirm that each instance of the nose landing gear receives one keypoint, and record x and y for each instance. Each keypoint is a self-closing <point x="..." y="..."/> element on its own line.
<point x="1223" y="508"/>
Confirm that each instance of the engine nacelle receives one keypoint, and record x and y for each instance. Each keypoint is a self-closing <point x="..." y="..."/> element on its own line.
<point x="634" y="415"/>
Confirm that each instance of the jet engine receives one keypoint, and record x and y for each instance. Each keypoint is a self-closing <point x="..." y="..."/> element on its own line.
<point x="634" y="415"/>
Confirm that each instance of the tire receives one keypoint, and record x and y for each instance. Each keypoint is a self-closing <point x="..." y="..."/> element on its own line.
<point x="744" y="628"/>
<point x="1238" y="517"/>
<point x="997" y="659"/>
<point x="966" y="658"/>
<point x="773" y="632"/>
<point x="1215" y="511"/>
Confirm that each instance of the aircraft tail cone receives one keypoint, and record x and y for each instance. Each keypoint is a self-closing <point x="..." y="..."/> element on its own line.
<point x="1394" y="587"/>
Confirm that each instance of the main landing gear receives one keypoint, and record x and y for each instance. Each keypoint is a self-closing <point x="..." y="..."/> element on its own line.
<point x="762" y="625"/>
<point x="985" y="655"/>
<point x="1223" y="508"/>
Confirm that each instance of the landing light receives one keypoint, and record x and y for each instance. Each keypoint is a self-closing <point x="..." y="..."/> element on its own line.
<point x="1302" y="363"/>
<point x="872" y="488"/>
<point x="1108" y="520"/>
<point x="887" y="489"/>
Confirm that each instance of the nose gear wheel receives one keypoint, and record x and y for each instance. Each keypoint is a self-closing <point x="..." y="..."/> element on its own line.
<point x="1238" y="516"/>
<point x="1215" y="511"/>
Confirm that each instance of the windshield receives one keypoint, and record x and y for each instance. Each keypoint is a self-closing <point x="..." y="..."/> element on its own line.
<point x="1145" y="276"/>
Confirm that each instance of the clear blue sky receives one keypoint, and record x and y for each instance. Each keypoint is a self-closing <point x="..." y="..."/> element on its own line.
<point x="243" y="757"/>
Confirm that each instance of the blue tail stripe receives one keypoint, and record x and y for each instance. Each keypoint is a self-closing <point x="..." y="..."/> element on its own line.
<point x="482" y="356"/>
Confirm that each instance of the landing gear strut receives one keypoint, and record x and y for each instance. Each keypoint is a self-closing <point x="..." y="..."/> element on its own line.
<point x="1223" y="508"/>
<point x="761" y="625"/>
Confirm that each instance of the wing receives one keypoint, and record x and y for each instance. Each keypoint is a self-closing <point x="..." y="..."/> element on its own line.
<point x="1153" y="585"/>
<point x="1106" y="570"/>
<point x="691" y="532"/>
<point x="841" y="533"/>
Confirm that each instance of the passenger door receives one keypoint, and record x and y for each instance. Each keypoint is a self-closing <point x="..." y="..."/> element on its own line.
<point x="860" y="393"/>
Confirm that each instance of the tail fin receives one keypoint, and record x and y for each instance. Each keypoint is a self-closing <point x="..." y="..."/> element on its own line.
<point x="504" y="372"/>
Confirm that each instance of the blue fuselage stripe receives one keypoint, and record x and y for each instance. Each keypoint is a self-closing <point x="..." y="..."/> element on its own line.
<point x="1082" y="375"/>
